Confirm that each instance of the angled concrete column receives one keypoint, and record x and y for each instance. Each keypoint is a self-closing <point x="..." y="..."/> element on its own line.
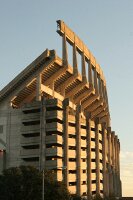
<point x="65" y="138"/>
<point x="104" y="151"/>
<point x="83" y="68"/>
<point x="75" y="63"/>
<point x="101" y="88"/>
<point x="113" y="148"/>
<point x="42" y="134"/>
<point x="88" y="139"/>
<point x="106" y="95"/>
<point x="95" y="81"/>
<point x="64" y="51"/>
<point x="78" y="147"/>
<point x="38" y="87"/>
<point x="90" y="73"/>
<point x="97" y="158"/>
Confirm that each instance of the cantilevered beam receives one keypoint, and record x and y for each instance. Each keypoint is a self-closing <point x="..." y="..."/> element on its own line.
<point x="85" y="94"/>
<point x="89" y="101"/>
<point x="28" y="99"/>
<point x="52" y="93"/>
<point x="76" y="89"/>
<point x="103" y="113"/>
<point x="105" y="119"/>
<point x="95" y="105"/>
<point x="70" y="80"/>
<point x="99" y="110"/>
<point x="56" y="75"/>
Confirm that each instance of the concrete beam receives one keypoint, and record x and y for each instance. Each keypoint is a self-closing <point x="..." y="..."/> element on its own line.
<point x="51" y="92"/>
<point x="98" y="110"/>
<point x="95" y="105"/>
<point x="56" y="75"/>
<point x="70" y="80"/>
<point x="103" y="113"/>
<point x="76" y="89"/>
<point x="85" y="94"/>
<point x="28" y="99"/>
<point x="89" y="101"/>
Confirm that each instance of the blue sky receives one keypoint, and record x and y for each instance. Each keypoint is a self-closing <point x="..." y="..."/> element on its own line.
<point x="28" y="27"/>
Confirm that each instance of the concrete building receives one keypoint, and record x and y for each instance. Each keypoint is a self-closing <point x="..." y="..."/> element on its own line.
<point x="56" y="116"/>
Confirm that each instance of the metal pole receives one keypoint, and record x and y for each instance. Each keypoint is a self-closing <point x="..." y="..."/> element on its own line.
<point x="43" y="184"/>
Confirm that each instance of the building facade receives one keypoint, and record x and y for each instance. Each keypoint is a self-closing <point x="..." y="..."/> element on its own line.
<point x="56" y="116"/>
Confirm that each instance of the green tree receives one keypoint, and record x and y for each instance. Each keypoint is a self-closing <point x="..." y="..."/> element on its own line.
<point x="20" y="183"/>
<point x="54" y="190"/>
<point x="25" y="183"/>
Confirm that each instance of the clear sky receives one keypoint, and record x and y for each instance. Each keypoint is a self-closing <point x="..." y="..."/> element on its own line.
<point x="28" y="27"/>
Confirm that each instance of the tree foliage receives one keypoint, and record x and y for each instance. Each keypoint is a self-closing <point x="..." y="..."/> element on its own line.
<point x="20" y="183"/>
<point x="54" y="190"/>
<point x="25" y="183"/>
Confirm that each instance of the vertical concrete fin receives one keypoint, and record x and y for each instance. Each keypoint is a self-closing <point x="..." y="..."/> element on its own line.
<point x="89" y="168"/>
<point x="97" y="158"/>
<point x="64" y="51"/>
<point x="42" y="134"/>
<point x="65" y="136"/>
<point x="95" y="81"/>
<point x="38" y="87"/>
<point x="90" y="72"/>
<point x="75" y="63"/>
<point x="78" y="147"/>
<point x="104" y="151"/>
<point x="83" y="68"/>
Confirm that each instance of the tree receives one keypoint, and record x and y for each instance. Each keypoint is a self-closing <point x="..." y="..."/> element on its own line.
<point x="20" y="183"/>
<point x="76" y="197"/>
<point x="25" y="183"/>
<point x="54" y="190"/>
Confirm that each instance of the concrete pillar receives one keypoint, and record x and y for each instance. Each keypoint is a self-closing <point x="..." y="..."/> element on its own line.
<point x="97" y="158"/>
<point x="119" y="182"/>
<point x="103" y="90"/>
<point x="90" y="73"/>
<point x="116" y="165"/>
<point x="42" y="134"/>
<point x="118" y="152"/>
<point x="64" y="50"/>
<point x="75" y="63"/>
<point x="38" y="87"/>
<point x="104" y="152"/>
<point x="88" y="139"/>
<point x="95" y="81"/>
<point x="113" y="162"/>
<point x="83" y="68"/>
<point x="65" y="138"/>
<point x="100" y="88"/>
<point x="109" y="161"/>
<point x="106" y="96"/>
<point x="78" y="148"/>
